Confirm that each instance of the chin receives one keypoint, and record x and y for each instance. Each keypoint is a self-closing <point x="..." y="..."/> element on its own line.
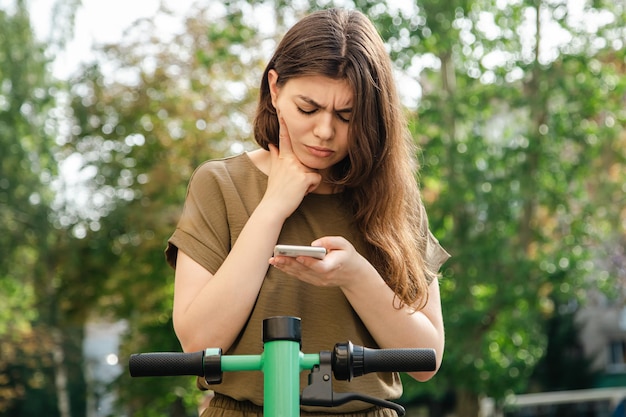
<point x="317" y="166"/>
<point x="313" y="163"/>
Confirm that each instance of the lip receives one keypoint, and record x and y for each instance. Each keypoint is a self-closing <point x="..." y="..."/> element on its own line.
<point x="319" y="151"/>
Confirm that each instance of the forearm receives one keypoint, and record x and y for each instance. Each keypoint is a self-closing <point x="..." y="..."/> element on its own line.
<point x="391" y="327"/>
<point x="213" y="315"/>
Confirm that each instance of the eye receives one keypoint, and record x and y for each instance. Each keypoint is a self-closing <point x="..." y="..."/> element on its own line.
<point x="344" y="117"/>
<point x="306" y="111"/>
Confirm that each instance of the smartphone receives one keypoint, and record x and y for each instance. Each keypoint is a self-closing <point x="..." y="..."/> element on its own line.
<point x="293" y="251"/>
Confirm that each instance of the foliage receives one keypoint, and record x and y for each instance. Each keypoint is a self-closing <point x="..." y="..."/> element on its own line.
<point x="26" y="170"/>
<point x="564" y="365"/>
<point x="40" y="337"/>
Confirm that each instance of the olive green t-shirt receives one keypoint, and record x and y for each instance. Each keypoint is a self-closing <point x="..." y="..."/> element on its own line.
<point x="221" y="196"/>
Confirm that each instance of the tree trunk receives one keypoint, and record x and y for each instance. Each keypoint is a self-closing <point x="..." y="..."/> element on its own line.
<point x="60" y="374"/>
<point x="466" y="404"/>
<point x="178" y="408"/>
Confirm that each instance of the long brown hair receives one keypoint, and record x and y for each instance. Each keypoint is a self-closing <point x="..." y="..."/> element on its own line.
<point x="379" y="172"/>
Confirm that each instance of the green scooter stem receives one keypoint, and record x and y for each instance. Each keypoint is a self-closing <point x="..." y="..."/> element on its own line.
<point x="281" y="369"/>
<point x="281" y="363"/>
<point x="281" y="379"/>
<point x="281" y="366"/>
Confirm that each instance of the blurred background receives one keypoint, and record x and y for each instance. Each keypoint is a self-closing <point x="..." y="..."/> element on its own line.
<point x="518" y="106"/>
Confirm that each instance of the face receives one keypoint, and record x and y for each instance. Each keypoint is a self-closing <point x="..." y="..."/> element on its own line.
<point x="316" y="111"/>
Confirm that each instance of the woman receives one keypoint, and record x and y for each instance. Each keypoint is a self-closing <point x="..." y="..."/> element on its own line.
<point x="335" y="169"/>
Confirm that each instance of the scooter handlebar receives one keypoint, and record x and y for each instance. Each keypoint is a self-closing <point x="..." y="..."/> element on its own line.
<point x="166" y="364"/>
<point x="349" y="361"/>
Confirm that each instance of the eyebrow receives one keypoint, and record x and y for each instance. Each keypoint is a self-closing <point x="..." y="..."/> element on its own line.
<point x="316" y="104"/>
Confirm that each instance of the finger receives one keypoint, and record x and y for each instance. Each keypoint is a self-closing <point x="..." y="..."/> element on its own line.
<point x="331" y="242"/>
<point x="316" y="183"/>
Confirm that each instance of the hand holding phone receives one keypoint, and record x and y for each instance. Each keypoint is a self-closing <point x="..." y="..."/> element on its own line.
<point x="294" y="251"/>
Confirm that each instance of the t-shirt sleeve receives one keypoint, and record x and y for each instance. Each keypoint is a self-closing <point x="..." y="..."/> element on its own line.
<point x="435" y="254"/>
<point x="202" y="231"/>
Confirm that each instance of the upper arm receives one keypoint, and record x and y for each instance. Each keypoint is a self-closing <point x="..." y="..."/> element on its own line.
<point x="189" y="280"/>
<point x="432" y="309"/>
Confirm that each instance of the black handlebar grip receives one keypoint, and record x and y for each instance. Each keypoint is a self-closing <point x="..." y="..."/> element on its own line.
<point x="350" y="360"/>
<point x="398" y="360"/>
<point x="166" y="364"/>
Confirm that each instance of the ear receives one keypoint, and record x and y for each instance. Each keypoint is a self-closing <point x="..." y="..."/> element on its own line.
<point x="272" y="79"/>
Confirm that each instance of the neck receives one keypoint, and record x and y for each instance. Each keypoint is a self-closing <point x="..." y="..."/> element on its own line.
<point x="326" y="188"/>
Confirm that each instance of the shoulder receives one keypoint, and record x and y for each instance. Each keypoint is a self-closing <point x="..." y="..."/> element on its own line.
<point x="226" y="170"/>
<point x="229" y="179"/>
<point x="219" y="166"/>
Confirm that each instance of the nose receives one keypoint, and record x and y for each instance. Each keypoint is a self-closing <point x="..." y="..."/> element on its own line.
<point x="324" y="128"/>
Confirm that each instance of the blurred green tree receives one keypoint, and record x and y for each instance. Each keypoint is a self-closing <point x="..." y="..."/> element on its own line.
<point x="34" y="332"/>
